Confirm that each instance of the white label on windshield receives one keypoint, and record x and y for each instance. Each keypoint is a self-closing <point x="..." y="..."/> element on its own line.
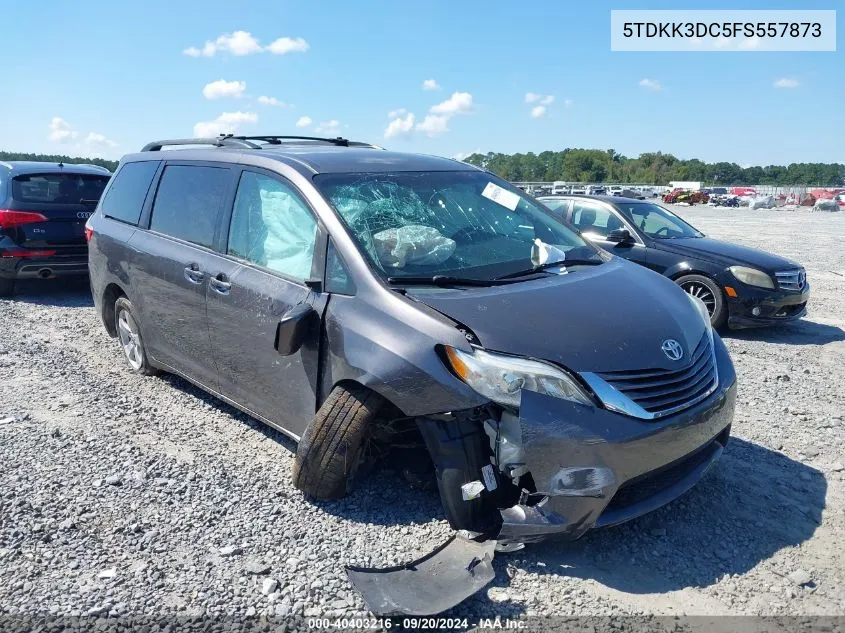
<point x="500" y="196"/>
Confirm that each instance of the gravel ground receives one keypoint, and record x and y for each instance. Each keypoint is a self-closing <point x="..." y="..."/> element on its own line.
<point x="128" y="495"/>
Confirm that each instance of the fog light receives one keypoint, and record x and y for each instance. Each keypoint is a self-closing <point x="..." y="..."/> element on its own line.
<point x="581" y="481"/>
<point x="756" y="311"/>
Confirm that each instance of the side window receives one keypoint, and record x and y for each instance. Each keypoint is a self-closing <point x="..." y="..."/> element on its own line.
<point x="125" y="196"/>
<point x="188" y="202"/>
<point x="338" y="280"/>
<point x="589" y="217"/>
<point x="272" y="227"/>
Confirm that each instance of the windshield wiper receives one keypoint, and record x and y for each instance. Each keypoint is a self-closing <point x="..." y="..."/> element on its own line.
<point x="440" y="280"/>
<point x="542" y="267"/>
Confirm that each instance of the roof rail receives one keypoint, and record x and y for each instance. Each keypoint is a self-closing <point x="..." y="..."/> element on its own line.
<point x="248" y="142"/>
<point x="219" y="141"/>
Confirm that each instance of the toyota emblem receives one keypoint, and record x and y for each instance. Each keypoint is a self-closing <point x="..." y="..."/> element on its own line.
<point x="672" y="349"/>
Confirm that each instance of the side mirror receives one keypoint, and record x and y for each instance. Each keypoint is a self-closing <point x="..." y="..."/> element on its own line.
<point x="293" y="329"/>
<point x="621" y="236"/>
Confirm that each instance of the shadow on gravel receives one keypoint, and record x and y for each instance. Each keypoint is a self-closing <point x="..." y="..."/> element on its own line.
<point x="801" y="332"/>
<point x="752" y="504"/>
<point x="69" y="292"/>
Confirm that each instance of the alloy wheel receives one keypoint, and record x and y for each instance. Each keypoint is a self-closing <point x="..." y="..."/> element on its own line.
<point x="702" y="293"/>
<point x="130" y="340"/>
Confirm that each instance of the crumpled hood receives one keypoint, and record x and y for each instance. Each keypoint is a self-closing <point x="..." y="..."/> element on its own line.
<point x="604" y="318"/>
<point x="729" y="254"/>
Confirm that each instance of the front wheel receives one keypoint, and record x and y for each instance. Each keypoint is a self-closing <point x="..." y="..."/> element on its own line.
<point x="331" y="449"/>
<point x="130" y="339"/>
<point x="705" y="289"/>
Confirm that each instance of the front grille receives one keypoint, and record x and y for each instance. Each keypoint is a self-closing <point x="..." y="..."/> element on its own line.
<point x="791" y="279"/>
<point x="662" y="392"/>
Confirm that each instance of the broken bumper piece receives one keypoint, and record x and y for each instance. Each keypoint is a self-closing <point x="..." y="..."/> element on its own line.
<point x="428" y="586"/>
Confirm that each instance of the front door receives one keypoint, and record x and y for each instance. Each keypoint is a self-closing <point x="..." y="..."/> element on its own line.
<point x="596" y="221"/>
<point x="270" y="250"/>
<point x="171" y="265"/>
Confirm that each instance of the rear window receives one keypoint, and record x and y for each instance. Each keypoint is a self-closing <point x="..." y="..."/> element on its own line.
<point x="125" y="197"/>
<point x="188" y="202"/>
<point x="58" y="188"/>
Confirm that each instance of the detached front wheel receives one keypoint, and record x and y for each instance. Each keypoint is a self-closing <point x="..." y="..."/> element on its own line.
<point x="330" y="451"/>
<point x="705" y="290"/>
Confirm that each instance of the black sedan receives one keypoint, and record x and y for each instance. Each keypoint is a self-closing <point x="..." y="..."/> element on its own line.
<point x="741" y="287"/>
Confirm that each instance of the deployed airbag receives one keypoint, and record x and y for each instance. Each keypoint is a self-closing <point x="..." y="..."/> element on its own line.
<point x="428" y="586"/>
<point x="413" y="244"/>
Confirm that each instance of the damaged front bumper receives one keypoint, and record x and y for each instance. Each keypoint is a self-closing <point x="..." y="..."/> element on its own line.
<point x="557" y="470"/>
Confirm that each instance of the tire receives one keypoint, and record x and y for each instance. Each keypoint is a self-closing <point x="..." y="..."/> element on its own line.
<point x="129" y="336"/>
<point x="330" y="451"/>
<point x="7" y="287"/>
<point x="706" y="289"/>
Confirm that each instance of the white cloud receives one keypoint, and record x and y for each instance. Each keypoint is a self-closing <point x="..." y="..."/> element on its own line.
<point x="99" y="140"/>
<point x="226" y="123"/>
<point x="430" y="84"/>
<point x="531" y="97"/>
<point x="304" y="121"/>
<point x="722" y="42"/>
<point x="271" y="101"/>
<point x="243" y="43"/>
<point x="464" y="155"/>
<point x="222" y="88"/>
<point x="568" y="103"/>
<point x="328" y="127"/>
<point x="61" y="131"/>
<point x="786" y="83"/>
<point x="237" y="43"/>
<point x="395" y="113"/>
<point x="434" y="125"/>
<point x="400" y="126"/>
<point x="285" y="45"/>
<point x="547" y="100"/>
<point x="751" y="43"/>
<point x="651" y="84"/>
<point x="538" y="111"/>
<point x="458" y="103"/>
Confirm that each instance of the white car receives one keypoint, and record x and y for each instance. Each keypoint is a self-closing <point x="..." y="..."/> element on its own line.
<point x="579" y="190"/>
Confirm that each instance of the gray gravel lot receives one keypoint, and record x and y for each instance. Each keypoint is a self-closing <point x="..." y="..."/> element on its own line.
<point x="125" y="495"/>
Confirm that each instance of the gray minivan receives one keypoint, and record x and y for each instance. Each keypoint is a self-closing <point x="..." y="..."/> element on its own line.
<point x="356" y="298"/>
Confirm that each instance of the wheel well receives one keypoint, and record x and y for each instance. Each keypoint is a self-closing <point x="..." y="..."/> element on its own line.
<point x="112" y="293"/>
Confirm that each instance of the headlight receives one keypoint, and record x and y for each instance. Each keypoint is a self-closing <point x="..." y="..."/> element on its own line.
<point x="502" y="378"/>
<point x="752" y="277"/>
<point x="702" y="309"/>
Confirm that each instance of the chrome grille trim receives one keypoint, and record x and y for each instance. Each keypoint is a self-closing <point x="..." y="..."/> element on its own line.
<point x="792" y="279"/>
<point x="655" y="393"/>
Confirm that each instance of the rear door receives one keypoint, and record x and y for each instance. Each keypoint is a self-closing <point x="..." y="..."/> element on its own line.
<point x="273" y="247"/>
<point x="172" y="263"/>
<point x="65" y="199"/>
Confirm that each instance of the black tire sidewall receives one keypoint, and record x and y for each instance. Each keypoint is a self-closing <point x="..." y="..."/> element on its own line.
<point x="720" y="312"/>
<point x="7" y="287"/>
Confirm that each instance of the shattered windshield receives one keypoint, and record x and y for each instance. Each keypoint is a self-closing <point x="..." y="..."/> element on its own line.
<point x="456" y="223"/>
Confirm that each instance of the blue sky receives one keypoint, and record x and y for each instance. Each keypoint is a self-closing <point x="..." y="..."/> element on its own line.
<point x="103" y="78"/>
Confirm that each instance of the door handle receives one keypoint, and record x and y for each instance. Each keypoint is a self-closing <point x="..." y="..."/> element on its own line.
<point x="194" y="274"/>
<point x="220" y="284"/>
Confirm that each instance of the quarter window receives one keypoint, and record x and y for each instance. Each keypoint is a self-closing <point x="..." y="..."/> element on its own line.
<point x="272" y="227"/>
<point x="128" y="190"/>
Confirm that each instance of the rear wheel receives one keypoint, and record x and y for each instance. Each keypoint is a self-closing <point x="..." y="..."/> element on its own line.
<point x="331" y="449"/>
<point x="7" y="287"/>
<point x="130" y="339"/>
<point x="706" y="290"/>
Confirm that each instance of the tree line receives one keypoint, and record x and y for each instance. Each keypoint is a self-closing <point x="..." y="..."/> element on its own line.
<point x="657" y="168"/>
<point x="111" y="165"/>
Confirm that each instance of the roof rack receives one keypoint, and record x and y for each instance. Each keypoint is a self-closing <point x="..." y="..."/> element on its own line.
<point x="247" y="142"/>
